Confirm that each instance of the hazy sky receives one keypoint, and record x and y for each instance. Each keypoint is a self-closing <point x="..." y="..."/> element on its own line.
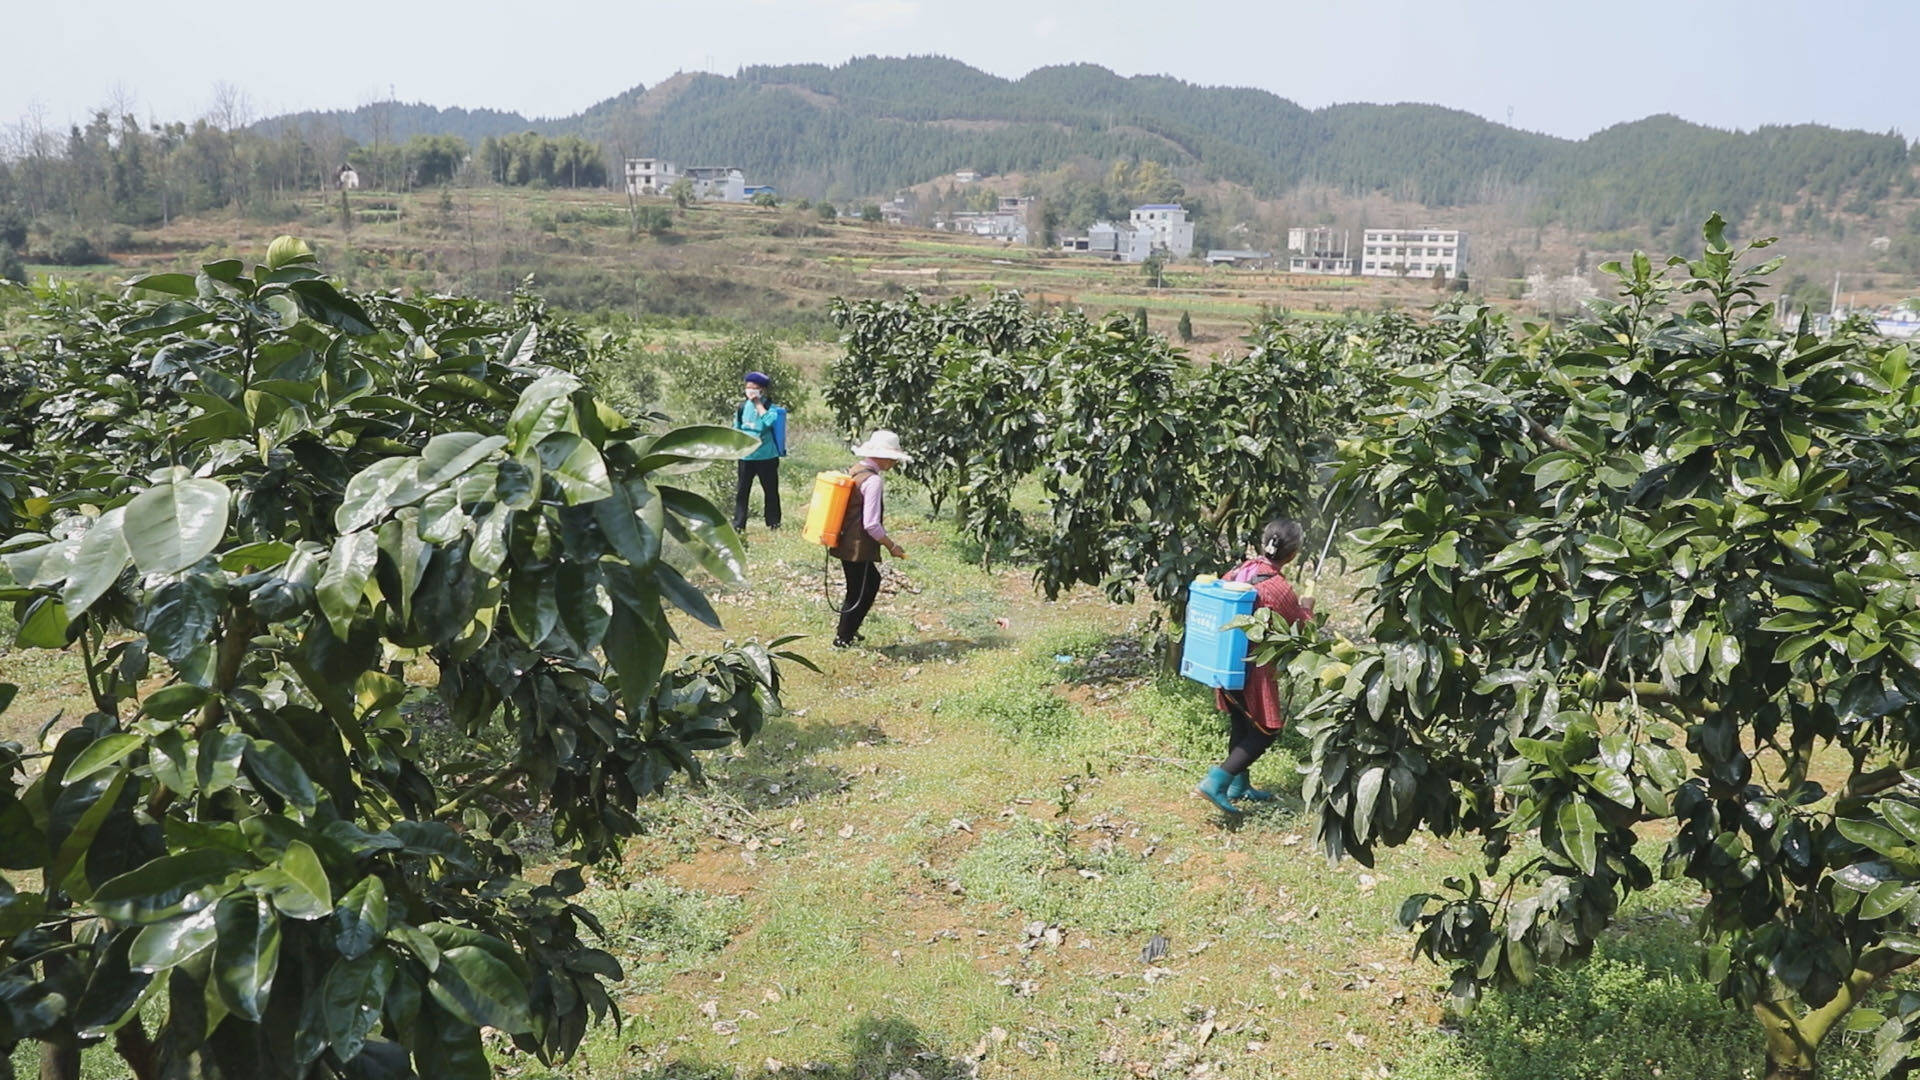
<point x="1563" y="67"/>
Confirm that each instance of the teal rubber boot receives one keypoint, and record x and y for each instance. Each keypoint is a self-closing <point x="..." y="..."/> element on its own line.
<point x="1214" y="788"/>
<point x="1242" y="788"/>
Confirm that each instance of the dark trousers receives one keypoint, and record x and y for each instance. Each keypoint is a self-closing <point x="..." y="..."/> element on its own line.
<point x="1246" y="741"/>
<point x="767" y="471"/>
<point x="863" y="587"/>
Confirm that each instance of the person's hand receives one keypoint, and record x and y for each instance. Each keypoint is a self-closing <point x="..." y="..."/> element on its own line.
<point x="898" y="551"/>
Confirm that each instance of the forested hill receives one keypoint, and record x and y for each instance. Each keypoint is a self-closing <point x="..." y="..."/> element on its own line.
<point x="876" y="124"/>
<point x="394" y="121"/>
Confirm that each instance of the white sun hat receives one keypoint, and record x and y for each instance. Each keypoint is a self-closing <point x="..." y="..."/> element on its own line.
<point x="883" y="444"/>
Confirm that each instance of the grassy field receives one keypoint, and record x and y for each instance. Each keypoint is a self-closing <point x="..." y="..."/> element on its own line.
<point x="715" y="263"/>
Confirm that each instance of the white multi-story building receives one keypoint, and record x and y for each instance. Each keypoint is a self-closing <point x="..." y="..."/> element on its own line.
<point x="1168" y="226"/>
<point x="1415" y="252"/>
<point x="1318" y="249"/>
<point x="720" y="183"/>
<point x="650" y="176"/>
<point x="653" y="176"/>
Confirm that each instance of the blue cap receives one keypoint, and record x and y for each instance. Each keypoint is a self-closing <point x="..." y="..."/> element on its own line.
<point x="758" y="379"/>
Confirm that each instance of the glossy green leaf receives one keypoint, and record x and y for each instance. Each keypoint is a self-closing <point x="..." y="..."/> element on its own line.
<point x="297" y="885"/>
<point x="166" y="886"/>
<point x="102" y="754"/>
<point x="448" y="456"/>
<point x="174" y="942"/>
<point x="1580" y="833"/>
<point x="475" y="986"/>
<point x="171" y="526"/>
<point x="246" y="955"/>
<point x="44" y="627"/>
<point x="345" y="581"/>
<point x="576" y="466"/>
<point x="361" y="919"/>
<point x="97" y="562"/>
<point x="272" y="766"/>
<point x="351" y="1000"/>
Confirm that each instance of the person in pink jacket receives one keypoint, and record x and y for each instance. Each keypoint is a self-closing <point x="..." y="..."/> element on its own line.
<point x="1256" y="712"/>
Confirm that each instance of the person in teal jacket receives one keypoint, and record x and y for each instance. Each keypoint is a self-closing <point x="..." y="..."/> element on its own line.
<point x="760" y="417"/>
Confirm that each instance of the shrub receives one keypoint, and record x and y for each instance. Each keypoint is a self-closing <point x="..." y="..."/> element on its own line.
<point x="13" y="228"/>
<point x="1639" y="1008"/>
<point x="72" y="249"/>
<point x="11" y="268"/>
<point x="704" y="384"/>
<point x="826" y="211"/>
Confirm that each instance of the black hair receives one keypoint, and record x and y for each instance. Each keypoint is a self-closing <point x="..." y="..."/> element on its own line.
<point x="1280" y="540"/>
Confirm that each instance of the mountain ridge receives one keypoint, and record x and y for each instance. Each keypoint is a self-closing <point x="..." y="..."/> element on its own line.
<point x="874" y="125"/>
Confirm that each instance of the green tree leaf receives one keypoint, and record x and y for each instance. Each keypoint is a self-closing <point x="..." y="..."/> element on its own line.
<point x="246" y="954"/>
<point x="576" y="466"/>
<point x="166" y="886"/>
<point x="361" y="918"/>
<point x="476" y="987"/>
<point x="97" y="563"/>
<point x="171" y="526"/>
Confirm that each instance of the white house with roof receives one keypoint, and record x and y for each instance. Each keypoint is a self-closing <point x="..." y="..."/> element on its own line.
<point x="718" y="183"/>
<point x="1415" y="252"/>
<point x="1120" y="243"/>
<point x="1167" y="225"/>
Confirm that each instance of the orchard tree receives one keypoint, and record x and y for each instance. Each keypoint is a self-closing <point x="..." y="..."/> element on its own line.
<point x="292" y="533"/>
<point x="1651" y="581"/>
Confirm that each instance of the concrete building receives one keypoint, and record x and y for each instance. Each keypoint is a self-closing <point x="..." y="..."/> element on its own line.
<point x="1118" y="243"/>
<point x="717" y="183"/>
<point x="1007" y="221"/>
<point x="1235" y="257"/>
<point x="650" y="176"/>
<point x="1168" y="227"/>
<point x="1319" y="249"/>
<point x="1415" y="252"/>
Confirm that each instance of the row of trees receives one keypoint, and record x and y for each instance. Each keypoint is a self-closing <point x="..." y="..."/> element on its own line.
<point x="1650" y="581"/>
<point x="358" y="586"/>
<point x="115" y="170"/>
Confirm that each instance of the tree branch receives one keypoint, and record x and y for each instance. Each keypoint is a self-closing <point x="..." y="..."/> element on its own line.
<point x="1541" y="432"/>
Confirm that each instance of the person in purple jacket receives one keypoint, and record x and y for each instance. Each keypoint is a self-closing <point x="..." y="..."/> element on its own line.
<point x="863" y="532"/>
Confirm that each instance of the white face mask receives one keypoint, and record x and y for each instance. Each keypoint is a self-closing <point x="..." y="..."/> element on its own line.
<point x="753" y="393"/>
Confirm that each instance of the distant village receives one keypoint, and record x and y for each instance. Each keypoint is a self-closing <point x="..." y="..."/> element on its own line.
<point x="1151" y="230"/>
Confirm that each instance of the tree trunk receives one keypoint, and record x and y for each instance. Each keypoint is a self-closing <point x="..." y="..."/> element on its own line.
<point x="60" y="1055"/>
<point x="1789" y="1055"/>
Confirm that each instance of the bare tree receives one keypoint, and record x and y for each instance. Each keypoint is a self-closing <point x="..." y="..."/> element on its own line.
<point x="231" y="109"/>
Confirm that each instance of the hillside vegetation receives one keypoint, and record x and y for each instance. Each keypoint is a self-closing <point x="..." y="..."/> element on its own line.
<point x="875" y="124"/>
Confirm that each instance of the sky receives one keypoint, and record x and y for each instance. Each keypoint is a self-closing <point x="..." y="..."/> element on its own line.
<point x="1565" y="67"/>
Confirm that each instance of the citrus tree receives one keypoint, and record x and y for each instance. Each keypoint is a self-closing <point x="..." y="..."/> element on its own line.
<point x="359" y="586"/>
<point x="1151" y="468"/>
<point x="1644" y="600"/>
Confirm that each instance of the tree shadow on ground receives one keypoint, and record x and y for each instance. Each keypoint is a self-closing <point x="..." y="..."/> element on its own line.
<point x="777" y="768"/>
<point x="878" y="1048"/>
<point x="949" y="648"/>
